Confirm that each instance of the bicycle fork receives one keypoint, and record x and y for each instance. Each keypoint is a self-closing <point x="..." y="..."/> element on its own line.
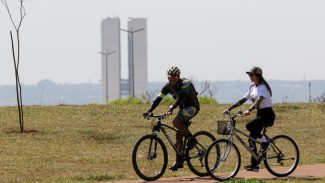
<point x="152" y="154"/>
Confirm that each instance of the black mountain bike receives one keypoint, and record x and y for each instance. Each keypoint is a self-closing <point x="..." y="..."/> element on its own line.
<point x="280" y="158"/>
<point x="150" y="157"/>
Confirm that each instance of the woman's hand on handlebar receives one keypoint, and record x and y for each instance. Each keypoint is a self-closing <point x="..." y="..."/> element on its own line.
<point x="246" y="113"/>
<point x="226" y="111"/>
<point x="170" y="111"/>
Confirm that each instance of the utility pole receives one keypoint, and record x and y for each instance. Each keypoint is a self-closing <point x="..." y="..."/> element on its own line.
<point x="106" y="54"/>
<point x="131" y="33"/>
<point x="309" y="85"/>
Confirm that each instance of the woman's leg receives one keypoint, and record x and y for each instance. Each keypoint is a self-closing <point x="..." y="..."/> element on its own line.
<point x="255" y="128"/>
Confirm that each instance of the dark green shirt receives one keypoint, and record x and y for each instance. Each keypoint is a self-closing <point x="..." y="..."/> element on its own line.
<point x="184" y="93"/>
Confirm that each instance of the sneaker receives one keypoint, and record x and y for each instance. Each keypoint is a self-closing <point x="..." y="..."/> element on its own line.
<point x="176" y="166"/>
<point x="252" y="168"/>
<point x="191" y="142"/>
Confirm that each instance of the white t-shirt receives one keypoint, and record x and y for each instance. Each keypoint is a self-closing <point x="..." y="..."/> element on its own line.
<point x="260" y="90"/>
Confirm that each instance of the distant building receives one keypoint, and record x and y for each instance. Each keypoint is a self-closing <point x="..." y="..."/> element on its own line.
<point x="111" y="64"/>
<point x="125" y="88"/>
<point x="138" y="63"/>
<point x="112" y="85"/>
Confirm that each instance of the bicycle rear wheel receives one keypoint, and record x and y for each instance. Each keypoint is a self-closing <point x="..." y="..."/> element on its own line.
<point x="282" y="157"/>
<point x="149" y="158"/>
<point x="195" y="157"/>
<point x="225" y="164"/>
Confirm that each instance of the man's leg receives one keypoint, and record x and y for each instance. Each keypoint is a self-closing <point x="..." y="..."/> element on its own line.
<point x="179" y="122"/>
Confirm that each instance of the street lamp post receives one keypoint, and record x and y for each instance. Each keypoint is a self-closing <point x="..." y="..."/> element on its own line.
<point x="131" y="33"/>
<point x="106" y="54"/>
<point x="309" y="93"/>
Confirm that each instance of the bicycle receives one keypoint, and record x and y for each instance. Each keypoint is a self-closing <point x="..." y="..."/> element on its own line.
<point x="280" y="158"/>
<point x="150" y="156"/>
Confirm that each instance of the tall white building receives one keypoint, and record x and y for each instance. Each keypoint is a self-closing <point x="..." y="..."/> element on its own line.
<point x="138" y="60"/>
<point x="111" y="59"/>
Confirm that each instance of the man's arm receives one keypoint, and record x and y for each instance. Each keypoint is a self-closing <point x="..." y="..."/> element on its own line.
<point x="186" y="88"/>
<point x="176" y="103"/>
<point x="155" y="104"/>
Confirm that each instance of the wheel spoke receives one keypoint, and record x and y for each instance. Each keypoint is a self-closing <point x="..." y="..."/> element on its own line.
<point x="149" y="158"/>
<point x="223" y="162"/>
<point x="284" y="158"/>
<point x="195" y="157"/>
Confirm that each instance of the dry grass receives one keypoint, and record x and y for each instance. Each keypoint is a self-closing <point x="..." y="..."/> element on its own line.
<point x="94" y="143"/>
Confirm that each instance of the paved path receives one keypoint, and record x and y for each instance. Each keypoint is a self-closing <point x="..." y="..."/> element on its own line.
<point x="305" y="172"/>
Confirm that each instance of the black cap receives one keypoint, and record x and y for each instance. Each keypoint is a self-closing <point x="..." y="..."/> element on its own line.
<point x="255" y="70"/>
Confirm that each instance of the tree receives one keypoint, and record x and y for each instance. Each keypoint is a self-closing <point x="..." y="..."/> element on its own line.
<point x="16" y="54"/>
<point x="321" y="98"/>
<point x="208" y="89"/>
<point x="150" y="96"/>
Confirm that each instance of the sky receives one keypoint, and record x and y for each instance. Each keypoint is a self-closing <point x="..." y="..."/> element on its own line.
<point x="208" y="40"/>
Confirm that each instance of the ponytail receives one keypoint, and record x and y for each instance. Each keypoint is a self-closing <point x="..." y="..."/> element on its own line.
<point x="262" y="80"/>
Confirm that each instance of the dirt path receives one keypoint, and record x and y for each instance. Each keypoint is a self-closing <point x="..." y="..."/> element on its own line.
<point x="306" y="172"/>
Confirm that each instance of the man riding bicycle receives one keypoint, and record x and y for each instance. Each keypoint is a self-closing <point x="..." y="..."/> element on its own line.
<point x="185" y="96"/>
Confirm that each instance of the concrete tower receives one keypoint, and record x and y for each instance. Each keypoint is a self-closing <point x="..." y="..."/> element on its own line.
<point x="138" y="60"/>
<point x="111" y="59"/>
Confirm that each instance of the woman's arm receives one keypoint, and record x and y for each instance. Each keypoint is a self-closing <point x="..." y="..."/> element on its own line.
<point x="256" y="104"/>
<point x="237" y="104"/>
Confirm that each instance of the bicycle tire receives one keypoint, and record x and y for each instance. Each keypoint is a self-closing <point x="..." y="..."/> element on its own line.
<point x="194" y="169"/>
<point x="219" y="156"/>
<point x="134" y="158"/>
<point x="296" y="162"/>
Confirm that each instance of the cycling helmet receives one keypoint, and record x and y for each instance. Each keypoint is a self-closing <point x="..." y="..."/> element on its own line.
<point x="173" y="71"/>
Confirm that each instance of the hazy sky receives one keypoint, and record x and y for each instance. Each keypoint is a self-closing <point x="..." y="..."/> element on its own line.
<point x="208" y="40"/>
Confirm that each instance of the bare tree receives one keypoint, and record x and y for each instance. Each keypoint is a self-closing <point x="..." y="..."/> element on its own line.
<point x="149" y="96"/>
<point x="208" y="89"/>
<point x="321" y="98"/>
<point x="16" y="54"/>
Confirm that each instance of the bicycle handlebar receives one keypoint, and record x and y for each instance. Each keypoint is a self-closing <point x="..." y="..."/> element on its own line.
<point x="162" y="116"/>
<point x="238" y="114"/>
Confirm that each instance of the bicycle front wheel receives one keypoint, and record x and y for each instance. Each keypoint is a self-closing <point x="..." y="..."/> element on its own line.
<point x="282" y="157"/>
<point x="149" y="158"/>
<point x="222" y="161"/>
<point x="195" y="157"/>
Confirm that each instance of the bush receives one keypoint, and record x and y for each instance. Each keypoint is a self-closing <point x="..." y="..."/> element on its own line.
<point x="168" y="101"/>
<point x="207" y="100"/>
<point x="129" y="100"/>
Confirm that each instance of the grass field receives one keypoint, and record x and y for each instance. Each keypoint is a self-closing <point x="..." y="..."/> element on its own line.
<point x="94" y="143"/>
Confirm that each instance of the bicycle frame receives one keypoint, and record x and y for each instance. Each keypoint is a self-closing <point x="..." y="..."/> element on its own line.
<point x="236" y="133"/>
<point x="159" y="126"/>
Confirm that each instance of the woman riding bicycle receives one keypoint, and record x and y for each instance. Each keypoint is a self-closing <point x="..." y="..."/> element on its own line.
<point x="260" y="94"/>
<point x="185" y="95"/>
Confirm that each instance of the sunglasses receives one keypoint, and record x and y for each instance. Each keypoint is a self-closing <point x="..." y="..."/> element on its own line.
<point x="172" y="76"/>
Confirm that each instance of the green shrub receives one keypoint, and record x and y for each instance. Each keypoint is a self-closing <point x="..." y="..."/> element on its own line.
<point x="202" y="100"/>
<point x="94" y="104"/>
<point x="207" y="100"/>
<point x="168" y="101"/>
